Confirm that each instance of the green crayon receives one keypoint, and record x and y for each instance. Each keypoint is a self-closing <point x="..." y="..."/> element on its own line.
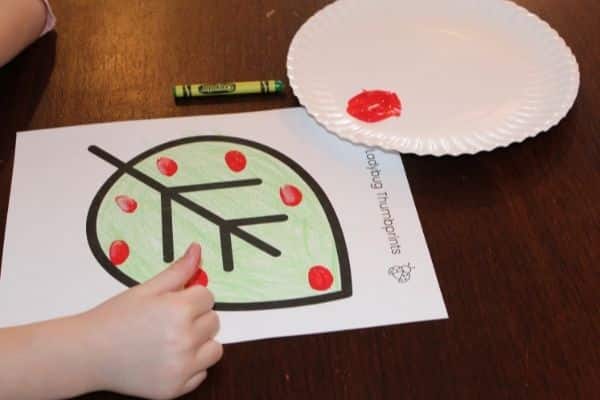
<point x="229" y="88"/>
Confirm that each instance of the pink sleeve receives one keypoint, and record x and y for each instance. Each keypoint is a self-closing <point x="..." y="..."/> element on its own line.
<point x="50" y="19"/>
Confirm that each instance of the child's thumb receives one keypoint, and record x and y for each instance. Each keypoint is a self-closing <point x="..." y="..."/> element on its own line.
<point x="179" y="273"/>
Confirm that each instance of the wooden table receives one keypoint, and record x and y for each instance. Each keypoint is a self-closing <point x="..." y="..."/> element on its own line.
<point x="514" y="234"/>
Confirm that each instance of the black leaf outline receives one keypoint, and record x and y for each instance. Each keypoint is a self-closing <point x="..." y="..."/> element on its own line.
<point x="340" y="243"/>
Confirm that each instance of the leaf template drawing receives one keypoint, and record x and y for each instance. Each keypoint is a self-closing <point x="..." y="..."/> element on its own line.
<point x="269" y="234"/>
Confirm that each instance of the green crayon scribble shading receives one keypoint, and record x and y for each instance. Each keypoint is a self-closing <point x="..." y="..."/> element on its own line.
<point x="305" y="239"/>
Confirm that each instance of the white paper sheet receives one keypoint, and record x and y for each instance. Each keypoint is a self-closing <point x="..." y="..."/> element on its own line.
<point x="48" y="269"/>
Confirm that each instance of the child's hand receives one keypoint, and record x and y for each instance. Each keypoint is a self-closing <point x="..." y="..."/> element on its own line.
<point x="156" y="340"/>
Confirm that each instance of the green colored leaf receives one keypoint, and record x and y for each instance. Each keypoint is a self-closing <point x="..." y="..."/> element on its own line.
<point x="235" y="197"/>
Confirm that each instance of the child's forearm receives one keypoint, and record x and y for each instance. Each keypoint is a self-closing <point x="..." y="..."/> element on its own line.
<point x="47" y="360"/>
<point x="21" y="22"/>
<point x="154" y="340"/>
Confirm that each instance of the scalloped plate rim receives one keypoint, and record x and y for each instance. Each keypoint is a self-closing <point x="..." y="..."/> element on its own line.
<point x="562" y="110"/>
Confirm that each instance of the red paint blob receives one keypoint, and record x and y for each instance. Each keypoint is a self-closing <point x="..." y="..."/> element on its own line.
<point x="320" y="277"/>
<point x="126" y="203"/>
<point x="236" y="160"/>
<point x="118" y="252"/>
<point x="290" y="195"/>
<point x="166" y="166"/>
<point x="374" y="105"/>
<point x="199" y="278"/>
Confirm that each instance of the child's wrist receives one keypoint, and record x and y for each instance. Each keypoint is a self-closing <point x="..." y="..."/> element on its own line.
<point x="91" y="352"/>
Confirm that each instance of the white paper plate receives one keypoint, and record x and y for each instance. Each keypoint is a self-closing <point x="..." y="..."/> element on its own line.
<point x="472" y="75"/>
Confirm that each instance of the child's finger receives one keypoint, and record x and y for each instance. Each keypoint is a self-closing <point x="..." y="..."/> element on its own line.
<point x="207" y="327"/>
<point x="194" y="381"/>
<point x="208" y="355"/>
<point x="201" y="299"/>
<point x="176" y="276"/>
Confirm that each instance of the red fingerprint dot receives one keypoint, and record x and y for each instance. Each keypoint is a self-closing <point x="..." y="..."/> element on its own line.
<point x="199" y="278"/>
<point x="290" y="195"/>
<point x="236" y="160"/>
<point x="126" y="203"/>
<point x="320" y="277"/>
<point x="166" y="166"/>
<point x="118" y="252"/>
